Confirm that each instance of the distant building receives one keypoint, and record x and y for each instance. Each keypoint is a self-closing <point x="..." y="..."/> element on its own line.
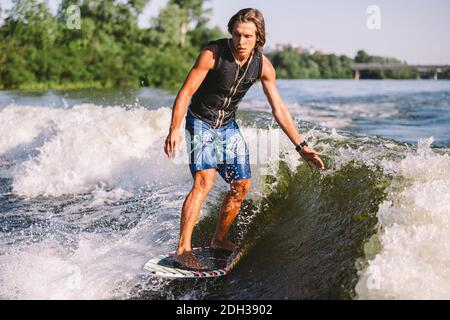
<point x="298" y="47"/>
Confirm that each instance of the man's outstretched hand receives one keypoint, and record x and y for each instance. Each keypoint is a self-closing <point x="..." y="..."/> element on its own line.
<point x="172" y="142"/>
<point x="312" y="158"/>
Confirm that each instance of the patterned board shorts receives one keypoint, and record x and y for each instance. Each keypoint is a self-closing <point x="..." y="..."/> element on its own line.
<point x="223" y="148"/>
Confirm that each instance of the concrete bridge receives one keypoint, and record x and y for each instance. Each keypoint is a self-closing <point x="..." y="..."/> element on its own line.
<point x="434" y="69"/>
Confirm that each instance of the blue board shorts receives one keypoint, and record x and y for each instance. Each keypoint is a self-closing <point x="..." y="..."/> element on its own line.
<point x="221" y="148"/>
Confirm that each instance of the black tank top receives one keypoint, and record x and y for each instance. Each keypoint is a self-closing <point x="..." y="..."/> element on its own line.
<point x="217" y="98"/>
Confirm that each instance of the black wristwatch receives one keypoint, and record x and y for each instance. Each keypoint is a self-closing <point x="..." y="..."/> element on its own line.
<point x="300" y="146"/>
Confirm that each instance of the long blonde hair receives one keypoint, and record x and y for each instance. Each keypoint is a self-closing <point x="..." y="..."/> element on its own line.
<point x="251" y="15"/>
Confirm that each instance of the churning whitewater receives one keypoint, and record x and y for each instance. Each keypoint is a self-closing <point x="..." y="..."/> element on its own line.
<point x="87" y="195"/>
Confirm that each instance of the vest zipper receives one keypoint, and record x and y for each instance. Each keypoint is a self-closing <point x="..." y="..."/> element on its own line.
<point x="230" y="95"/>
<point x="218" y="122"/>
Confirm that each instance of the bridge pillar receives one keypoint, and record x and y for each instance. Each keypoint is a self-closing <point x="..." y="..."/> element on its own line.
<point x="357" y="75"/>
<point x="418" y="76"/>
<point x="435" y="74"/>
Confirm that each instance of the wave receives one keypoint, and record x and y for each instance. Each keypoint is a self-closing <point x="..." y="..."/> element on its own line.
<point x="93" y="196"/>
<point x="332" y="115"/>
<point x="338" y="235"/>
<point x="80" y="148"/>
<point x="408" y="258"/>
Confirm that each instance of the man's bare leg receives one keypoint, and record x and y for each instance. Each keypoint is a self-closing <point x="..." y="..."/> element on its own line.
<point x="203" y="183"/>
<point x="228" y="212"/>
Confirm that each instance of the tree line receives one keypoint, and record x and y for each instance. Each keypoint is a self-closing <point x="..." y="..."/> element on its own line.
<point x="291" y="64"/>
<point x="38" y="50"/>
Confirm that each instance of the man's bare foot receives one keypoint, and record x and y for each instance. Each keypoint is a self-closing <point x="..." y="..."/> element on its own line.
<point x="187" y="260"/>
<point x="224" y="244"/>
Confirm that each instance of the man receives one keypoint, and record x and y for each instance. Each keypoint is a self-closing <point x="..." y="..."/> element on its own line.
<point x="220" y="77"/>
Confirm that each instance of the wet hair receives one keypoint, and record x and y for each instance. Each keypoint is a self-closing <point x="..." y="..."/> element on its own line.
<point x="251" y="15"/>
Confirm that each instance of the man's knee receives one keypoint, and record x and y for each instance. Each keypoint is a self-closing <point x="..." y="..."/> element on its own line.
<point x="204" y="180"/>
<point x="240" y="188"/>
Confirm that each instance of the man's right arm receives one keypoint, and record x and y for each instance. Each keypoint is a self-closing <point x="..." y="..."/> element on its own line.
<point x="203" y="64"/>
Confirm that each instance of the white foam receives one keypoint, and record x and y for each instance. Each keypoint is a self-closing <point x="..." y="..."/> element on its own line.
<point x="414" y="231"/>
<point x="20" y="126"/>
<point x="111" y="151"/>
<point x="102" y="196"/>
<point x="90" y="145"/>
<point x="103" y="266"/>
<point x="108" y="153"/>
<point x="332" y="115"/>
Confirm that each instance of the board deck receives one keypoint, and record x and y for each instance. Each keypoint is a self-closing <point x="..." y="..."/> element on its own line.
<point x="219" y="261"/>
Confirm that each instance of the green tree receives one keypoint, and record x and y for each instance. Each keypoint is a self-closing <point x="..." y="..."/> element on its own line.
<point x="196" y="12"/>
<point x="167" y="29"/>
<point x="38" y="49"/>
<point x="362" y="57"/>
<point x="28" y="34"/>
<point x="200" y="36"/>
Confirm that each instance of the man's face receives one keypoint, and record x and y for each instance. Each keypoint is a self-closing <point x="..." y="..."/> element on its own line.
<point x="244" y="37"/>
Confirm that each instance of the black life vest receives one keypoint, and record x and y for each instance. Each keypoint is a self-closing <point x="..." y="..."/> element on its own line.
<point x="217" y="98"/>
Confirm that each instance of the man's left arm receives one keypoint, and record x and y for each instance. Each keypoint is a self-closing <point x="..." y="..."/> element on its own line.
<point x="283" y="116"/>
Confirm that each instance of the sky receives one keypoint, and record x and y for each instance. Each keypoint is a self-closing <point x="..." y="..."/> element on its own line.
<point x="415" y="31"/>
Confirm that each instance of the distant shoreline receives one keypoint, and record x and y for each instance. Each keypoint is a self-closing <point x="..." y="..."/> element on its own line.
<point x="96" y="85"/>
